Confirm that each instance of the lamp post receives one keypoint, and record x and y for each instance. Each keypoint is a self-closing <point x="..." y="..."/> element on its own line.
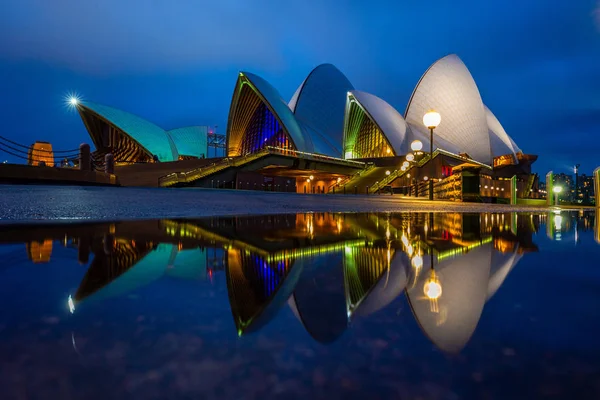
<point x="556" y="190"/>
<point x="431" y="120"/>
<point x="576" y="169"/>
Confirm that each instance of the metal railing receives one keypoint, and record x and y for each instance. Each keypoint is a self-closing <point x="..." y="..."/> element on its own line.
<point x="349" y="178"/>
<point x="199" y="173"/>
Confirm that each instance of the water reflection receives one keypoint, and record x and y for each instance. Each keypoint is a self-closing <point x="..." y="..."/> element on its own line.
<point x="328" y="268"/>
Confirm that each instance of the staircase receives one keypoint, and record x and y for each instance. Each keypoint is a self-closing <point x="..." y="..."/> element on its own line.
<point x="358" y="183"/>
<point x="199" y="173"/>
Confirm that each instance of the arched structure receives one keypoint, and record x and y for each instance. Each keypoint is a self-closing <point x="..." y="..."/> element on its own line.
<point x="373" y="128"/>
<point x="448" y="88"/>
<point x="191" y="141"/>
<point x="259" y="117"/>
<point x="128" y="137"/>
<point x="318" y="105"/>
<point x="504" y="149"/>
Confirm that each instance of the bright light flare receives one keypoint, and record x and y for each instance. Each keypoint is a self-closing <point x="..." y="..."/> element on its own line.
<point x="72" y="100"/>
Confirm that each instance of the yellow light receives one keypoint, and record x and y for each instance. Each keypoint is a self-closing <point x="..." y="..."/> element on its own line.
<point x="404" y="240"/>
<point x="433" y="290"/>
<point x="308" y="180"/>
<point x="417" y="261"/>
<point x="403" y="168"/>
<point x="425" y="178"/>
<point x="387" y="172"/>
<point x="410" y="157"/>
<point x="311" y="177"/>
<point x="339" y="180"/>
<point x="388" y="151"/>
<point x="408" y="175"/>
<point x="416" y="145"/>
<point x="432" y="119"/>
<point x="409" y="250"/>
<point x="557" y="189"/>
<point x="405" y="164"/>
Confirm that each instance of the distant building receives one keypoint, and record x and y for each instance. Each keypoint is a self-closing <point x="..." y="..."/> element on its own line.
<point x="585" y="186"/>
<point x="41" y="152"/>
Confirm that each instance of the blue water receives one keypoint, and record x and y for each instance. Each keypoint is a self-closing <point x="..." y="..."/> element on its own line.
<point x="291" y="306"/>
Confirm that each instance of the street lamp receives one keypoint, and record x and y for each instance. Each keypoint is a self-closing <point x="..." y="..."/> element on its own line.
<point x="416" y="146"/>
<point x="431" y="120"/>
<point x="410" y="157"/>
<point x="387" y="172"/>
<point x="576" y="170"/>
<point x="556" y="190"/>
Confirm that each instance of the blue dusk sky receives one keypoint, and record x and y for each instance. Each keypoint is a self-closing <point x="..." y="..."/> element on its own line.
<point x="175" y="62"/>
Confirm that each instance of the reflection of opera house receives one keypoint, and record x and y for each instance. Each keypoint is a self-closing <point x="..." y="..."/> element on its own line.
<point x="326" y="122"/>
<point x="328" y="268"/>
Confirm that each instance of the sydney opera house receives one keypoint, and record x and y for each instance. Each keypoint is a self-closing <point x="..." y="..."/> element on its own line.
<point x="327" y="116"/>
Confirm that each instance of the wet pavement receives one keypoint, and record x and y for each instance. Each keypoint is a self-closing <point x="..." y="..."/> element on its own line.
<point x="26" y="203"/>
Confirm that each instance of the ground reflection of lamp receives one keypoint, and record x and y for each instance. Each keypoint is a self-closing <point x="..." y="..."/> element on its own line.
<point x="71" y="304"/>
<point x="417" y="261"/>
<point x="433" y="291"/>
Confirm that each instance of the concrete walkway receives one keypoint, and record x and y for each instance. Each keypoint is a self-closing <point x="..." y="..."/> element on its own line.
<point x="27" y="203"/>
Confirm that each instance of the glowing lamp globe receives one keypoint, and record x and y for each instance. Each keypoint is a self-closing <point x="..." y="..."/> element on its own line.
<point x="387" y="172"/>
<point x="410" y="157"/>
<point x="425" y="178"/>
<point x="417" y="261"/>
<point x="311" y="177"/>
<point x="432" y="119"/>
<point x="557" y="189"/>
<point x="405" y="164"/>
<point x="432" y="289"/>
<point x="403" y="168"/>
<point x="416" y="145"/>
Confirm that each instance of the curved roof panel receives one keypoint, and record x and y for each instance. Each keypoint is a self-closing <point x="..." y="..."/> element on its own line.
<point x="389" y="121"/>
<point x="320" y="103"/>
<point x="149" y="136"/>
<point x="502" y="264"/>
<point x="448" y="87"/>
<point x="280" y="108"/>
<point x="190" y="140"/>
<point x="389" y="287"/>
<point x="464" y="282"/>
<point x="500" y="142"/>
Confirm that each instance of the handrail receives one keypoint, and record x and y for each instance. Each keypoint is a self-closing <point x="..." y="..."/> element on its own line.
<point x="343" y="182"/>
